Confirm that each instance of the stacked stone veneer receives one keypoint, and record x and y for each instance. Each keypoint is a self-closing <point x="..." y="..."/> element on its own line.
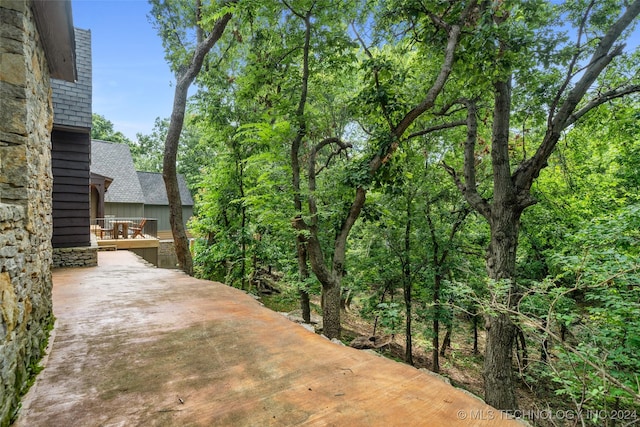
<point x="26" y="117"/>
<point x="76" y="257"/>
<point x="167" y="257"/>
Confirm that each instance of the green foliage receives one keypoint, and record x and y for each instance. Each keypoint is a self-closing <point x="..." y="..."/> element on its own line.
<point x="577" y="257"/>
<point x="596" y="296"/>
<point x="102" y="129"/>
<point x="390" y="316"/>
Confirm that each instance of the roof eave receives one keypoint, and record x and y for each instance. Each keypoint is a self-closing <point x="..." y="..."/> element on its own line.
<point x="55" y="26"/>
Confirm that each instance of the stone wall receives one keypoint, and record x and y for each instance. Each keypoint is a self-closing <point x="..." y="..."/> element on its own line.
<point x="86" y="256"/>
<point x="167" y="257"/>
<point x="75" y="257"/>
<point x="26" y="115"/>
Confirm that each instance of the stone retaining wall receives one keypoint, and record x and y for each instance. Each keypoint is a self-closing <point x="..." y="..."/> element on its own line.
<point x="75" y="257"/>
<point x="167" y="255"/>
<point x="26" y="116"/>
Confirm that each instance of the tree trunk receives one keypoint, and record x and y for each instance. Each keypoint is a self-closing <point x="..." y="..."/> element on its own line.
<point x="446" y="341"/>
<point x="180" y="241"/>
<point x="407" y="288"/>
<point x="243" y="226"/>
<point x="303" y="273"/>
<point x="475" y="333"/>
<point x="521" y="349"/>
<point x="499" y="390"/>
<point x="169" y="172"/>
<point x="170" y="176"/>
<point x="436" y="323"/>
<point x="501" y="264"/>
<point x="305" y="306"/>
<point x="301" y="250"/>
<point x="511" y="192"/>
<point x="331" y="327"/>
<point x="408" y="352"/>
<point x="435" y="354"/>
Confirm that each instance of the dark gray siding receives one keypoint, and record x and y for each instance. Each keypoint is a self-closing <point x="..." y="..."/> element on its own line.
<point x="70" y="152"/>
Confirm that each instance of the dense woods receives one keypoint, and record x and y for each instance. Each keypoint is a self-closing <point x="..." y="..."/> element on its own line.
<point x="442" y="168"/>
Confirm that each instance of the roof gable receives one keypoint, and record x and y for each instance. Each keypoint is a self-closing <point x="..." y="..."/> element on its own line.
<point x="155" y="192"/>
<point x="114" y="160"/>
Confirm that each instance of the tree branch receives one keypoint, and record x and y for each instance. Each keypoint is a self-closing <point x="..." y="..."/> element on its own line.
<point x="605" y="97"/>
<point x="604" y="53"/>
<point x="469" y="187"/>
<point x="572" y="65"/>
<point x="341" y="148"/>
<point x="428" y="102"/>
<point x="376" y="77"/>
<point x="199" y="30"/>
<point x="437" y="128"/>
<point x="202" y="49"/>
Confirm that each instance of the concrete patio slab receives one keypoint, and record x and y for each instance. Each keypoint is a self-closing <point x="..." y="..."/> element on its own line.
<point x="140" y="346"/>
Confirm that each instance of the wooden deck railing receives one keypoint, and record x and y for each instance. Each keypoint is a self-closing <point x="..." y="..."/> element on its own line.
<point x="124" y="228"/>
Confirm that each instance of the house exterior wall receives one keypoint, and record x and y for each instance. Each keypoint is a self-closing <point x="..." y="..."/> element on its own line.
<point x="25" y="201"/>
<point x="70" y="153"/>
<point x="124" y="210"/>
<point x="161" y="213"/>
<point x="71" y="157"/>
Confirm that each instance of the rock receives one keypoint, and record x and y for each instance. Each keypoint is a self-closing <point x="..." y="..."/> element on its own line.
<point x="362" y="343"/>
<point x="308" y="327"/>
<point x="370" y="342"/>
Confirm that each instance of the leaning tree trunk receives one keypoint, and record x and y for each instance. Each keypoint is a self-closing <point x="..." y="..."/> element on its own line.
<point x="184" y="77"/>
<point x="170" y="175"/>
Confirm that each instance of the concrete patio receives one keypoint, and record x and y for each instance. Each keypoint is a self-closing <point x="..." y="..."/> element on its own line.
<point x="136" y="345"/>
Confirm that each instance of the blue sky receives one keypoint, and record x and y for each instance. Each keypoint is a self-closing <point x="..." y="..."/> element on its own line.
<point x="132" y="83"/>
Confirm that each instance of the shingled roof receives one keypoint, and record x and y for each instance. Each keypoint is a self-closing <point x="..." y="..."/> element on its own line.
<point x="113" y="160"/>
<point x="155" y="192"/>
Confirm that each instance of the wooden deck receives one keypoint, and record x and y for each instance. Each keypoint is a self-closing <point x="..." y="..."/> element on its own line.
<point x="147" y="242"/>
